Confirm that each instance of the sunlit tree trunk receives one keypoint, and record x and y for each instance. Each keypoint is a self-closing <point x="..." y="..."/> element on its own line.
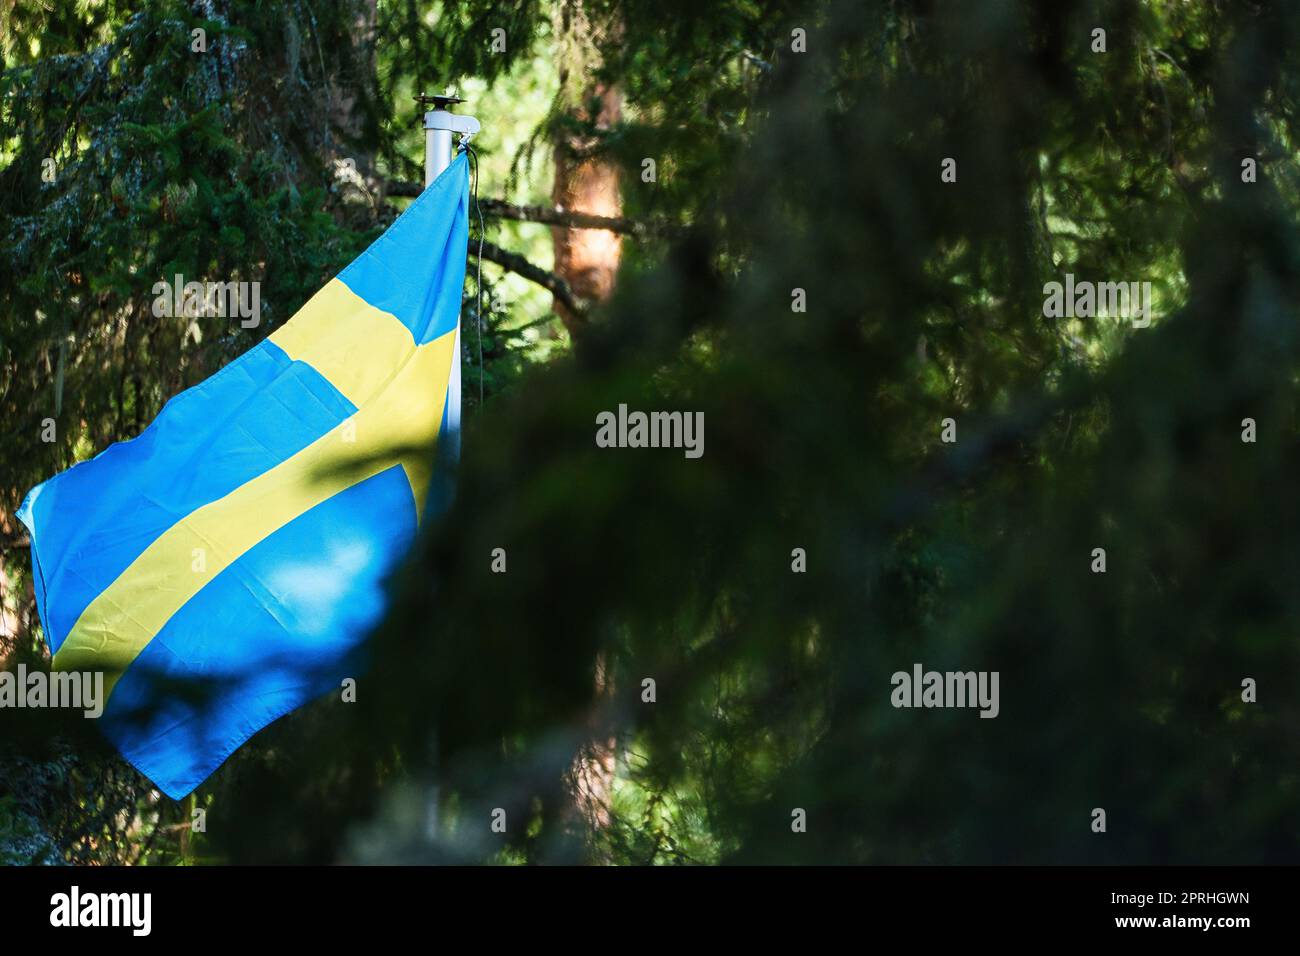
<point x="587" y="259"/>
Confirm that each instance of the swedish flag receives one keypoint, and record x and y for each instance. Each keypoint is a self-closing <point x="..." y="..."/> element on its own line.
<point x="239" y="544"/>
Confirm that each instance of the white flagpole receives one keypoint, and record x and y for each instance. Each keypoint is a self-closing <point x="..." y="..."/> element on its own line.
<point x="442" y="128"/>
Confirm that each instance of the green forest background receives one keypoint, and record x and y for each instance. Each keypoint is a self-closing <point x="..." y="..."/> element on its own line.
<point x="796" y="146"/>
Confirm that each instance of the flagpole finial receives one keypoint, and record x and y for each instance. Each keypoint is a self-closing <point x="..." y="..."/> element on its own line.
<point x="438" y="101"/>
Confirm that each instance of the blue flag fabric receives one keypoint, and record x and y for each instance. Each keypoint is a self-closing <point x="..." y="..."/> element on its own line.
<point x="224" y="567"/>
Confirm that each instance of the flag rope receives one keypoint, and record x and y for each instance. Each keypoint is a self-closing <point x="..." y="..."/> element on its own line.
<point x="478" y="260"/>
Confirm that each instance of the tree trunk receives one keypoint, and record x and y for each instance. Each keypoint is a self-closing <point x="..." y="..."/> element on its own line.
<point x="353" y="88"/>
<point x="587" y="259"/>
